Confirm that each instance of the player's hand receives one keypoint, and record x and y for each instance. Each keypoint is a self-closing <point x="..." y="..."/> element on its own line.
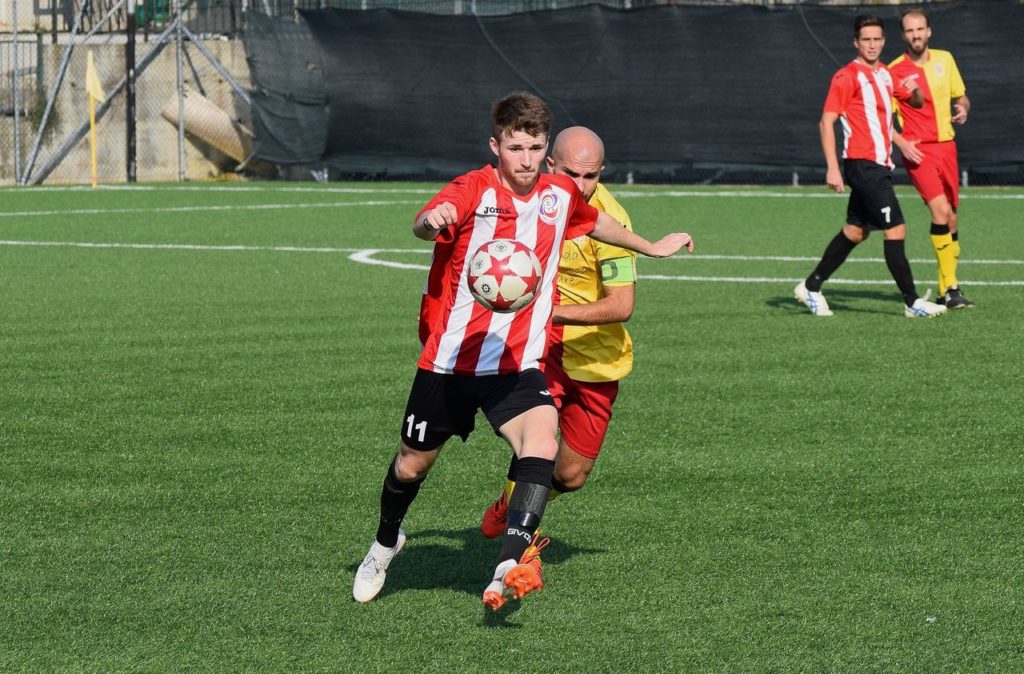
<point x="439" y="217"/>
<point x="834" y="179"/>
<point x="909" y="83"/>
<point x="671" y="244"/>
<point x="961" y="113"/>
<point x="910" y="151"/>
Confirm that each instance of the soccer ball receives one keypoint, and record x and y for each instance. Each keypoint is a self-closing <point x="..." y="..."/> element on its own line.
<point x="504" y="275"/>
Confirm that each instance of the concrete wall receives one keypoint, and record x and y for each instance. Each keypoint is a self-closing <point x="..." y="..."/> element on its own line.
<point x="157" y="139"/>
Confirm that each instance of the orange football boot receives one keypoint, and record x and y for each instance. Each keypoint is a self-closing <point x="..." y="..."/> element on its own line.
<point x="515" y="581"/>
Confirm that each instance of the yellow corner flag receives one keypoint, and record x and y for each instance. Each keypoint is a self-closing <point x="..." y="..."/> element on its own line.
<point x="92" y="80"/>
<point x="95" y="91"/>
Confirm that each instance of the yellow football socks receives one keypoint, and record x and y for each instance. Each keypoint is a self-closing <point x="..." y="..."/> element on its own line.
<point x="946" y="253"/>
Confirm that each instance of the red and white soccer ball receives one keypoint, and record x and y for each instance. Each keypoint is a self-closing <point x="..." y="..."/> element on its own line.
<point x="504" y="275"/>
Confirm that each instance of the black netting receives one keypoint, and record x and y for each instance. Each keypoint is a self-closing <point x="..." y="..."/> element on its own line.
<point x="683" y="93"/>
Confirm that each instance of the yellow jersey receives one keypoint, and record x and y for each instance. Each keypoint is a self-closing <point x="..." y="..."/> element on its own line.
<point x="941" y="84"/>
<point x="595" y="353"/>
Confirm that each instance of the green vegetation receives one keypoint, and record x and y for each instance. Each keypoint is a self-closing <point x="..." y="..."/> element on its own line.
<point x="196" y="416"/>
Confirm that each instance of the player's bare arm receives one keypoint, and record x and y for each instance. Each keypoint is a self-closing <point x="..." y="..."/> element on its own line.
<point x="615" y="307"/>
<point x="961" y="107"/>
<point x="910" y="85"/>
<point x="430" y="222"/>
<point x="609" y="230"/>
<point x="827" y="130"/>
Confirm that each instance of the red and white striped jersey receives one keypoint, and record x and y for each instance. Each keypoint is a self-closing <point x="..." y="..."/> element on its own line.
<point x="862" y="97"/>
<point x="460" y="336"/>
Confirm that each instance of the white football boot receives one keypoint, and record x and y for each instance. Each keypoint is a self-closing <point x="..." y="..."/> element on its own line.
<point x="373" y="571"/>
<point x="814" y="301"/>
<point x="922" y="308"/>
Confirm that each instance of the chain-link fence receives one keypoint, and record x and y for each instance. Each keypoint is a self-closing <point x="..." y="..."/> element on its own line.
<point x="44" y="108"/>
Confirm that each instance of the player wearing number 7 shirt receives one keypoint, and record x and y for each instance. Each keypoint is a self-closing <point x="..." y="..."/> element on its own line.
<point x="474" y="359"/>
<point x="860" y="96"/>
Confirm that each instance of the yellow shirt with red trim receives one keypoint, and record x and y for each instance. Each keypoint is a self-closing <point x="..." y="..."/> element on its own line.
<point x="940" y="82"/>
<point x="594" y="353"/>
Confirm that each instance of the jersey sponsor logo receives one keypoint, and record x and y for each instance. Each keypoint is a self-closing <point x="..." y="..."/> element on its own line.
<point x="494" y="210"/>
<point x="551" y="207"/>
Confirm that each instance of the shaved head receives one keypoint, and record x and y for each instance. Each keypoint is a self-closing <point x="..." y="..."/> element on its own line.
<point x="578" y="153"/>
<point x="579" y="142"/>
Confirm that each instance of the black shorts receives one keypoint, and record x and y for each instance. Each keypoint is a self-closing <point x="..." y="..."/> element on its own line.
<point x="443" y="405"/>
<point x="872" y="202"/>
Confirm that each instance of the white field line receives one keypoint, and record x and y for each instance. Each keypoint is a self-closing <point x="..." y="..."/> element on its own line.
<point x="246" y="188"/>
<point x="193" y="209"/>
<point x="623" y="191"/>
<point x="751" y="194"/>
<point x="368" y="256"/>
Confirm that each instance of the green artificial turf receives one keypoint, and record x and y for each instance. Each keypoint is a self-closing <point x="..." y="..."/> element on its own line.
<point x="201" y="389"/>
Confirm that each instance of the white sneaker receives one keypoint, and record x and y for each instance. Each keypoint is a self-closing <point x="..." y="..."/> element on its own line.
<point x="922" y="308"/>
<point x="373" y="571"/>
<point x="814" y="301"/>
<point x="494" y="593"/>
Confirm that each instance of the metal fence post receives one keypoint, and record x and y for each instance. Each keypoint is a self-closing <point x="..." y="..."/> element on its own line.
<point x="16" y="81"/>
<point x="179" y="46"/>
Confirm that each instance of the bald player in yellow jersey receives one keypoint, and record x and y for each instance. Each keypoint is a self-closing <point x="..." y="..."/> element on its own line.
<point x="589" y="350"/>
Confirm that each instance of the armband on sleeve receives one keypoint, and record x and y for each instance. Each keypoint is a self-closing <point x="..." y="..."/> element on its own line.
<point x="619" y="270"/>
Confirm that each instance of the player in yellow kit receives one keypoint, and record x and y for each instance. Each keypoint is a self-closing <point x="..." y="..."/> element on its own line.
<point x="589" y="350"/>
<point x="933" y="167"/>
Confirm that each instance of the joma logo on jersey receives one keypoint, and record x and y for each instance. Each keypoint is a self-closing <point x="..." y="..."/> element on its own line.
<point x="494" y="210"/>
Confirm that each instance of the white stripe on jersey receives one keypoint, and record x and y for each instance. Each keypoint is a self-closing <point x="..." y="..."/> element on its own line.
<point x="871" y="112"/>
<point x="534" y="231"/>
<point x="462" y="310"/>
<point x="847" y="132"/>
<point x="545" y="301"/>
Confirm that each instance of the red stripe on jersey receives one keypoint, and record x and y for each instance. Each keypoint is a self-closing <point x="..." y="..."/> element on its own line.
<point x="472" y="345"/>
<point x="459" y="336"/>
<point x="862" y="97"/>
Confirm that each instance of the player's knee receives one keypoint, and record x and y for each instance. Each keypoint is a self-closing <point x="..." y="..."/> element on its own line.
<point x="571" y="477"/>
<point x="413" y="465"/>
<point x="569" y="481"/>
<point x="854" y="234"/>
<point x="941" y="211"/>
<point x="544" y="449"/>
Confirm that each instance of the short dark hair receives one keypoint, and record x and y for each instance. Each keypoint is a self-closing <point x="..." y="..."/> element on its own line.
<point x="520" y="111"/>
<point x="864" y="20"/>
<point x="917" y="11"/>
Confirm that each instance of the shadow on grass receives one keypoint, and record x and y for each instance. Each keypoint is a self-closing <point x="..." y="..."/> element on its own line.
<point x="430" y="561"/>
<point x="839" y="300"/>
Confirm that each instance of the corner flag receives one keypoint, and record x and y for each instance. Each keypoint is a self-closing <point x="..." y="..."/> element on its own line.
<point x="92" y="80"/>
<point x="95" y="91"/>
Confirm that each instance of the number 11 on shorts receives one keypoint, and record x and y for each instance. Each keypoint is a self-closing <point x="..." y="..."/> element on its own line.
<point x="410" y="425"/>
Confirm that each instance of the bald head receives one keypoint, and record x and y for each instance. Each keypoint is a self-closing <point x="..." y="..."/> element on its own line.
<point x="578" y="153"/>
<point x="579" y="142"/>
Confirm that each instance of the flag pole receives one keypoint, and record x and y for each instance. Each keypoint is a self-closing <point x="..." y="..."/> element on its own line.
<point x="92" y="137"/>
<point x="95" y="91"/>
